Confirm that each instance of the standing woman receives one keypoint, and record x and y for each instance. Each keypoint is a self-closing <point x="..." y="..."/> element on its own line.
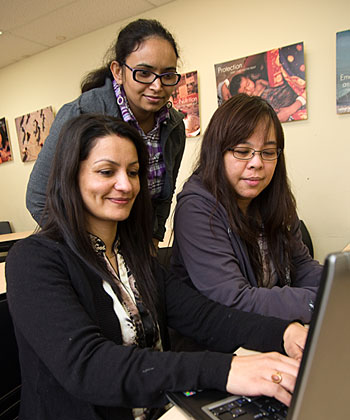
<point x="135" y="85"/>
<point x="237" y="233"/>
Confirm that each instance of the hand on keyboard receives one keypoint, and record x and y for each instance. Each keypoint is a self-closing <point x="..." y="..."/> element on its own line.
<point x="270" y="374"/>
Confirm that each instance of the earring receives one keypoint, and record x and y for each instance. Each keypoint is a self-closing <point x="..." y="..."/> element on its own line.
<point x="120" y="100"/>
<point x="169" y="104"/>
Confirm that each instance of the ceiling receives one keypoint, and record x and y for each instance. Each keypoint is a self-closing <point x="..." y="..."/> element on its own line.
<point x="31" y="26"/>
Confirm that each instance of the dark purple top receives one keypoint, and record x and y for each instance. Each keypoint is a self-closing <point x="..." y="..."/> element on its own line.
<point x="207" y="252"/>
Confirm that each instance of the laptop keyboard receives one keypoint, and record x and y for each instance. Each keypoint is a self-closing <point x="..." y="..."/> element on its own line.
<point x="262" y="408"/>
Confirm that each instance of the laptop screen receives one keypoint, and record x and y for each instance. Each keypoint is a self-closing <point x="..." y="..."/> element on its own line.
<point x="323" y="383"/>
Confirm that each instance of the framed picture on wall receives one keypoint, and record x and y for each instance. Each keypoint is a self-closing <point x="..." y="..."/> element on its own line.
<point x="5" y="148"/>
<point x="185" y="99"/>
<point x="276" y="75"/>
<point x="32" y="130"/>
<point x="343" y="72"/>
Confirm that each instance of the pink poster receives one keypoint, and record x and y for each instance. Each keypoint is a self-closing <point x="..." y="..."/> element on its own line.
<point x="185" y="99"/>
<point x="277" y="75"/>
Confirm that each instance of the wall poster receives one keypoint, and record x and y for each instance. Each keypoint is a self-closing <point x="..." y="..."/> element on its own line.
<point x="185" y="99"/>
<point x="276" y="75"/>
<point x="343" y="72"/>
<point x="32" y="130"/>
<point x="5" y="148"/>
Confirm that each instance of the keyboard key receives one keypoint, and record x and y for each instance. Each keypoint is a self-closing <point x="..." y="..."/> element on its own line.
<point x="231" y="405"/>
<point x="225" y="416"/>
<point x="219" y="410"/>
<point x="242" y="401"/>
<point x="279" y="417"/>
<point x="237" y="412"/>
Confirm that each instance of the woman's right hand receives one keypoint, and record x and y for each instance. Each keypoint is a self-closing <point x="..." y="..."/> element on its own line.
<point x="270" y="374"/>
<point x="294" y="339"/>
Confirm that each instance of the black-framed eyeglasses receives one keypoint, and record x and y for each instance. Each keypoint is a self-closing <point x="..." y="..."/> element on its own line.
<point x="147" y="77"/>
<point x="247" y="153"/>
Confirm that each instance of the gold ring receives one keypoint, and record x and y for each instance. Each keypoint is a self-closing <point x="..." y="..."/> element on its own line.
<point x="276" y="377"/>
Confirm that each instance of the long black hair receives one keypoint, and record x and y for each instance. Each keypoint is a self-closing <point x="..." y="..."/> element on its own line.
<point x="64" y="213"/>
<point x="274" y="208"/>
<point x="128" y="40"/>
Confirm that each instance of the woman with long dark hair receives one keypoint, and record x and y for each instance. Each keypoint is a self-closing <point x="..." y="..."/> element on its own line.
<point x="134" y="84"/>
<point x="91" y="306"/>
<point x="237" y="233"/>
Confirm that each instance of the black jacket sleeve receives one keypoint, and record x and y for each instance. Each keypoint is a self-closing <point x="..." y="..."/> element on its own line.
<point x="50" y="302"/>
<point x="218" y="327"/>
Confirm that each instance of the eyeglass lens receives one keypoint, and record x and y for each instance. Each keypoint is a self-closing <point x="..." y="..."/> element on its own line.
<point x="246" y="153"/>
<point x="145" y="76"/>
<point x="148" y="77"/>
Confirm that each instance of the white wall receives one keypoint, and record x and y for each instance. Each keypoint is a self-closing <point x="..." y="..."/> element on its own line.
<point x="208" y="32"/>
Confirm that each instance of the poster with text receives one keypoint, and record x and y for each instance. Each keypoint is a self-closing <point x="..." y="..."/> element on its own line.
<point x="185" y="99"/>
<point x="343" y="72"/>
<point x="32" y="130"/>
<point x="5" y="148"/>
<point x="276" y="75"/>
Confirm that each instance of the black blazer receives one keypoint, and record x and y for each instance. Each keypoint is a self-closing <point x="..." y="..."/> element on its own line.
<point x="73" y="363"/>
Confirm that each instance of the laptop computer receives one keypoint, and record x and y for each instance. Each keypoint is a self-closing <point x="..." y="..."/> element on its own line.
<point x="322" y="389"/>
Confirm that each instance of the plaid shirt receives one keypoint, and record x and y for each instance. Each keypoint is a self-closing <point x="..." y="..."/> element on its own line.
<point x="156" y="171"/>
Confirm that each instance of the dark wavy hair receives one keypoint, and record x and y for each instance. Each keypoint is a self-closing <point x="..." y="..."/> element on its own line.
<point x="128" y="41"/>
<point x="274" y="208"/>
<point x="235" y="83"/>
<point x="65" y="217"/>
